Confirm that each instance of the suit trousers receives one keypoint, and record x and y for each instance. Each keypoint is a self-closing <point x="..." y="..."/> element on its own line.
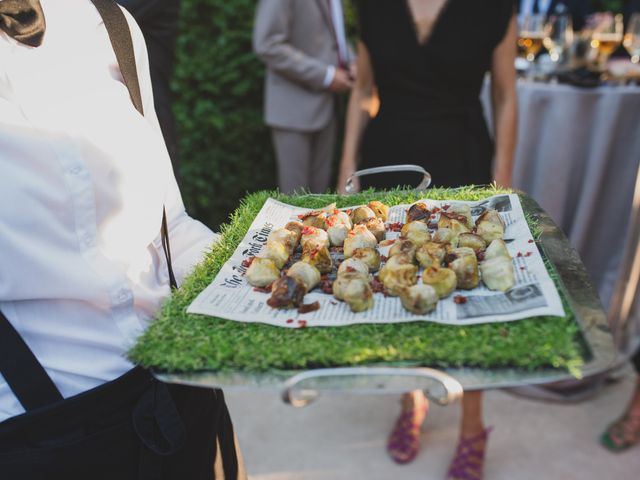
<point x="304" y="158"/>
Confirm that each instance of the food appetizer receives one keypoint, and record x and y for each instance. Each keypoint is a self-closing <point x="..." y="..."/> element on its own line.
<point x="445" y="246"/>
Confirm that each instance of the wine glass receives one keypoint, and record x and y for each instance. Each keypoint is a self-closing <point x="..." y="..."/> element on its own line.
<point x="558" y="36"/>
<point x="632" y="38"/>
<point x="530" y="37"/>
<point x="606" y="37"/>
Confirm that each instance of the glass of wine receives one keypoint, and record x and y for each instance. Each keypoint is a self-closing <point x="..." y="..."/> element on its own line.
<point x="606" y="37"/>
<point x="631" y="39"/>
<point x="530" y="37"/>
<point x="558" y="36"/>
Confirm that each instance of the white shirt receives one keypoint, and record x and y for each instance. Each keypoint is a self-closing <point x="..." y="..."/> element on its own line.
<point x="337" y="19"/>
<point x="83" y="178"/>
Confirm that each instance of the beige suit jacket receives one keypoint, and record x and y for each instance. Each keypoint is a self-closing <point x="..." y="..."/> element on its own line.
<point x="295" y="39"/>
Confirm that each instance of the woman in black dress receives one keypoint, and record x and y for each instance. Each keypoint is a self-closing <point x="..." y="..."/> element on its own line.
<point x="427" y="60"/>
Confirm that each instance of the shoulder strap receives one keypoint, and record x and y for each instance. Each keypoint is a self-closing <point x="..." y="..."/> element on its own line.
<point x="120" y="37"/>
<point x="22" y="371"/>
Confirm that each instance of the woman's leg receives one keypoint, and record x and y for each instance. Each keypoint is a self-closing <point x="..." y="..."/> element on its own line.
<point x="404" y="441"/>
<point x="469" y="458"/>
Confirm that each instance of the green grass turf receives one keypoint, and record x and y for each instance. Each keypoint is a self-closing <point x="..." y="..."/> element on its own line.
<point x="178" y="341"/>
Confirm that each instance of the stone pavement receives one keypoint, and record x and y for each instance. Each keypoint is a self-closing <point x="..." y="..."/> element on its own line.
<point x="343" y="438"/>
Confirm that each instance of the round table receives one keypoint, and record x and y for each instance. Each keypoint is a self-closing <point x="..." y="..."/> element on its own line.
<point x="577" y="155"/>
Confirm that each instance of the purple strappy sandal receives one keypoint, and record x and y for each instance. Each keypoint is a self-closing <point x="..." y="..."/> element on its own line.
<point x="469" y="459"/>
<point x="404" y="441"/>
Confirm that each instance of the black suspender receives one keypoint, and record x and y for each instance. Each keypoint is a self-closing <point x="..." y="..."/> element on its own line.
<point x="120" y="37"/>
<point x="23" y="372"/>
<point x="20" y="368"/>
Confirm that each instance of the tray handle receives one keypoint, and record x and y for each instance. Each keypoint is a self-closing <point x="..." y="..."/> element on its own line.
<point x="424" y="184"/>
<point x="367" y="379"/>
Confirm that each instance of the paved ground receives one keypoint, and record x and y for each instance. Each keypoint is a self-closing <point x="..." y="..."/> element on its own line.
<point x="340" y="438"/>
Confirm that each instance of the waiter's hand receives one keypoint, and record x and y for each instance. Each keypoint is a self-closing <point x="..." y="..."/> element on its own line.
<point x="341" y="81"/>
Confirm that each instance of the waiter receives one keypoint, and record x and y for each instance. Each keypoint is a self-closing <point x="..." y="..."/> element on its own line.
<point x="85" y="177"/>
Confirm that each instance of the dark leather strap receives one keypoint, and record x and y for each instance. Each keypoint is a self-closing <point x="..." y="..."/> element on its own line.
<point x="120" y="37"/>
<point x="23" y="372"/>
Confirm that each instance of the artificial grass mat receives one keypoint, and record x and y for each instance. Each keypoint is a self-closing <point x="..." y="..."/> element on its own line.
<point x="178" y="341"/>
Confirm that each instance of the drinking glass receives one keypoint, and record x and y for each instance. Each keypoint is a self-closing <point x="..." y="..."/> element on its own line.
<point x="558" y="36"/>
<point x="530" y="37"/>
<point x="606" y="37"/>
<point x="632" y="38"/>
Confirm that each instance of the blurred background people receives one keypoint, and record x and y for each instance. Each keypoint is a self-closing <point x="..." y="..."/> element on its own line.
<point x="419" y="56"/>
<point x="158" y="20"/>
<point x="578" y="9"/>
<point x="304" y="47"/>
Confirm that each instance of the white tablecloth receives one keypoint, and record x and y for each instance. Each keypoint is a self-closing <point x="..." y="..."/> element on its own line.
<point x="577" y="155"/>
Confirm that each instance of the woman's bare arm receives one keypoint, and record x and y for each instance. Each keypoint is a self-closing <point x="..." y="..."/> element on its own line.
<point x="357" y="117"/>
<point x="505" y="103"/>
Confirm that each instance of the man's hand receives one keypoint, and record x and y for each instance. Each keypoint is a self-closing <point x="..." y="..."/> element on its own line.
<point x="341" y="82"/>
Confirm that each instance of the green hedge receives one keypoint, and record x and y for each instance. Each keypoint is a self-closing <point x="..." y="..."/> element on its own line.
<point x="225" y="148"/>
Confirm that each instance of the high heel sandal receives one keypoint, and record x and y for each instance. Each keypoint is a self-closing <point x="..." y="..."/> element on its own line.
<point x="468" y="461"/>
<point x="404" y="441"/>
<point x="623" y="433"/>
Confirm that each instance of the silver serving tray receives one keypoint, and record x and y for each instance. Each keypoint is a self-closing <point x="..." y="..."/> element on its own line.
<point x="446" y="385"/>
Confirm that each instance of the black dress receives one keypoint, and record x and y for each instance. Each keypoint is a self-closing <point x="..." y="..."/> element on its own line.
<point x="430" y="113"/>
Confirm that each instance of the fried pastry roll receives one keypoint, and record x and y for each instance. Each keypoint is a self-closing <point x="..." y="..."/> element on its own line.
<point x="398" y="273"/>
<point x="419" y="299"/>
<point x="445" y="235"/>
<point x="340" y="283"/>
<point x="443" y="280"/>
<point x="497" y="273"/>
<point x="319" y="258"/>
<point x="286" y="292"/>
<point x="417" y="232"/>
<point x="497" y="248"/>
<point x="297" y="228"/>
<point x="435" y="250"/>
<point x="490" y="226"/>
<point x="462" y="210"/>
<point x="380" y="209"/>
<point x="361" y="214"/>
<point x="359" y="237"/>
<point x="403" y="246"/>
<point x="262" y="272"/>
<point x="277" y="252"/>
<point x="376" y="226"/>
<point x="337" y="218"/>
<point x="464" y="263"/>
<point x="358" y="295"/>
<point x="369" y="256"/>
<point x="287" y="237"/>
<point x="313" y="237"/>
<point x="418" y="212"/>
<point x="337" y="234"/>
<point x="471" y="240"/>
<point x="353" y="265"/>
<point x="305" y="273"/>
<point x="452" y="222"/>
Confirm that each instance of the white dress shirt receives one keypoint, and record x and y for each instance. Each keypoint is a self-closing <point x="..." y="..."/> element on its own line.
<point x="83" y="178"/>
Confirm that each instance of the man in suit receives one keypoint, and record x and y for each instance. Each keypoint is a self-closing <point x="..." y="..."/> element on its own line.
<point x="158" y="20"/>
<point x="303" y="45"/>
<point x="578" y="9"/>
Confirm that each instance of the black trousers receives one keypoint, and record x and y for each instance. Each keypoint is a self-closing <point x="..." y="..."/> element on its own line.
<point x="635" y="360"/>
<point x="126" y="429"/>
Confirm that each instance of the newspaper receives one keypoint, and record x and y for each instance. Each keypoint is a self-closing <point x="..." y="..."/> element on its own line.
<point x="231" y="297"/>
